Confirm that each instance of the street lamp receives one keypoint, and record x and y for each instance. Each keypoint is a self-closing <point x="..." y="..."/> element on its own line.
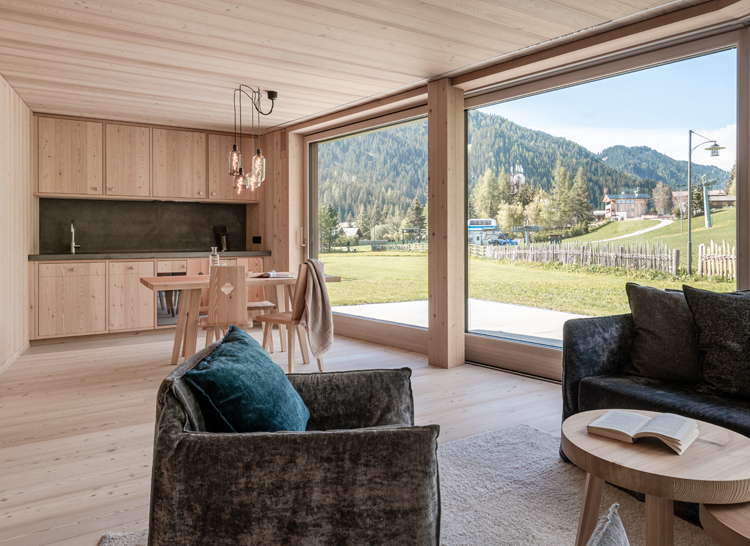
<point x="714" y="149"/>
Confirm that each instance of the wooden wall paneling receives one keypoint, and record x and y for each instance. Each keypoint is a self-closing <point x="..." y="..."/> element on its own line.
<point x="131" y="305"/>
<point x="128" y="160"/>
<point x="742" y="184"/>
<point x="16" y="187"/>
<point x="446" y="225"/>
<point x="70" y="156"/>
<point x="179" y="164"/>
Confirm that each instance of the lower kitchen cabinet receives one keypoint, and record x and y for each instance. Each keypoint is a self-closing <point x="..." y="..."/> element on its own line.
<point x="131" y="305"/>
<point x="71" y="299"/>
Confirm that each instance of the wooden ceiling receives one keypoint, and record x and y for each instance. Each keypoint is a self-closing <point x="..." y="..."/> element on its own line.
<point x="175" y="62"/>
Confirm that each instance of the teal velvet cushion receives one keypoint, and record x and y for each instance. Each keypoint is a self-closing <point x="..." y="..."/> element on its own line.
<point x="247" y="390"/>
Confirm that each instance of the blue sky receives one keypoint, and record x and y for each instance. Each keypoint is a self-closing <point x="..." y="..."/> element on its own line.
<point x="654" y="107"/>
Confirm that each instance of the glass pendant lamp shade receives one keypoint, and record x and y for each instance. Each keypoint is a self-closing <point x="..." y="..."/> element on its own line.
<point x="259" y="167"/>
<point x="235" y="160"/>
<point x="250" y="182"/>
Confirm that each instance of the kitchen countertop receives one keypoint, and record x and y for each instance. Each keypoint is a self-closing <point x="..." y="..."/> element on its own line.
<point x="157" y="255"/>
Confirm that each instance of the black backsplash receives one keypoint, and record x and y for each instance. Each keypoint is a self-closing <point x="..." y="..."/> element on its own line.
<point x="138" y="226"/>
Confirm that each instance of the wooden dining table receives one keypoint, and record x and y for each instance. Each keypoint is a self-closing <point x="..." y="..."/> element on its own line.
<point x="279" y="288"/>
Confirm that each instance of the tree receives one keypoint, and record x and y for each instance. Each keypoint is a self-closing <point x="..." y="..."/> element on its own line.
<point x="662" y="198"/>
<point x="503" y="188"/>
<point x="697" y="200"/>
<point x="561" y="192"/>
<point x="328" y="225"/>
<point x="525" y="195"/>
<point x="509" y="216"/>
<point x="580" y="200"/>
<point x="731" y="189"/>
<point x="486" y="195"/>
<point x="363" y="222"/>
<point x="415" y="215"/>
<point x="376" y="216"/>
<point x="540" y="211"/>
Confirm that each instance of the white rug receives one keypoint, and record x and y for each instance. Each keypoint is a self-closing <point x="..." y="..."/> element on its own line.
<point x="509" y="487"/>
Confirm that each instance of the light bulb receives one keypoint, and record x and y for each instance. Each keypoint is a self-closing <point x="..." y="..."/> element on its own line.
<point x="259" y="167"/>
<point x="238" y="180"/>
<point x="235" y="160"/>
<point x="250" y="182"/>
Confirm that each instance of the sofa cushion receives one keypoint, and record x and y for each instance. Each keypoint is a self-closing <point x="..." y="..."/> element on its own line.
<point x="665" y="345"/>
<point x="609" y="531"/>
<point x="248" y="391"/>
<point x="723" y="325"/>
<point x="642" y="393"/>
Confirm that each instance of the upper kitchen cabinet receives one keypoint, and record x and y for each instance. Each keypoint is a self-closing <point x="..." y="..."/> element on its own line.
<point x="70" y="157"/>
<point x="128" y="160"/>
<point x="178" y="164"/>
<point x="219" y="179"/>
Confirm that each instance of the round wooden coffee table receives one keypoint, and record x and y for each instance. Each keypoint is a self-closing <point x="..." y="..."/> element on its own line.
<point x="727" y="524"/>
<point x="713" y="470"/>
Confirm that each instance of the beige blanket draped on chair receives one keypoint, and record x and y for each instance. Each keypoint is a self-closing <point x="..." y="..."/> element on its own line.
<point x="317" y="317"/>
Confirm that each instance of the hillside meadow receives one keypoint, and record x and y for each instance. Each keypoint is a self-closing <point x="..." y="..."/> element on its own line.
<point x="383" y="277"/>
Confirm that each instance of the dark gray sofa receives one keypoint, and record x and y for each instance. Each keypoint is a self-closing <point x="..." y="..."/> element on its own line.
<point x="361" y="473"/>
<point x="595" y="351"/>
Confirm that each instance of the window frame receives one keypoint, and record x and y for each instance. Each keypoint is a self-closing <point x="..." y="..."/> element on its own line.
<point x="546" y="361"/>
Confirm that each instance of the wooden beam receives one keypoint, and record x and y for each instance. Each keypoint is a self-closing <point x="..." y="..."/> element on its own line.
<point x="446" y="229"/>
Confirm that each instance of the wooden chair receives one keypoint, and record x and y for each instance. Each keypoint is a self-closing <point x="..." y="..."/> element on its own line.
<point x="227" y="301"/>
<point x="291" y="319"/>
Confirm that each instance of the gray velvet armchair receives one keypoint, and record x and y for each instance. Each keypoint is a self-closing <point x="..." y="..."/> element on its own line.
<point x="361" y="473"/>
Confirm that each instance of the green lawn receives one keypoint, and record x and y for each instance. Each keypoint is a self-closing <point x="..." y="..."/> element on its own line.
<point x="401" y="276"/>
<point x="615" y="229"/>
<point x="724" y="228"/>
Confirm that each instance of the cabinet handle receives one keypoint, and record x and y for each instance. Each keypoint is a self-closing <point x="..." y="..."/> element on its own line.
<point x="132" y="267"/>
<point x="213" y="193"/>
<point x="111" y="189"/>
<point x="200" y="193"/>
<point x="183" y="266"/>
<point x="72" y="268"/>
<point x="96" y="188"/>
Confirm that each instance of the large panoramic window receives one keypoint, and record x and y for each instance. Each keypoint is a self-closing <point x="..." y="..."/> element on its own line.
<point x="576" y="191"/>
<point x="369" y="224"/>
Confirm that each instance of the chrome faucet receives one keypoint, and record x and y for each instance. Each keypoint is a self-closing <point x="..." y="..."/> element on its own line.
<point x="73" y="244"/>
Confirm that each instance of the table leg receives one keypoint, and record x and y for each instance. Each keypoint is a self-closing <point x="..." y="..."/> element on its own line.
<point x="191" y="326"/>
<point x="179" y="335"/>
<point x="592" y="499"/>
<point x="659" y="521"/>
<point x="281" y="307"/>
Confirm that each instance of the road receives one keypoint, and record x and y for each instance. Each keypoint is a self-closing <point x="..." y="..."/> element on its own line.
<point x="662" y="223"/>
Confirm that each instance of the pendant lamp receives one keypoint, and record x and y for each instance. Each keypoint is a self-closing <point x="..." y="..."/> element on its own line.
<point x="256" y="172"/>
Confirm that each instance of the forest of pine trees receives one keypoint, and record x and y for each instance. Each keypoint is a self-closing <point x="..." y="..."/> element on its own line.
<point x="375" y="180"/>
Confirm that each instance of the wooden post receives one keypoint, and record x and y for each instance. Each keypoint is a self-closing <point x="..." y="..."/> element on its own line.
<point x="446" y="225"/>
<point x="742" y="176"/>
<point x="675" y="261"/>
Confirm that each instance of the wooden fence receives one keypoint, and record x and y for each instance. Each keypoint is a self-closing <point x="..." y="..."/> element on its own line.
<point x="717" y="260"/>
<point x="609" y="254"/>
<point x="408" y="247"/>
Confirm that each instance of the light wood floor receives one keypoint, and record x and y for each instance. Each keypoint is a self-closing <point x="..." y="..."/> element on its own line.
<point x="77" y="424"/>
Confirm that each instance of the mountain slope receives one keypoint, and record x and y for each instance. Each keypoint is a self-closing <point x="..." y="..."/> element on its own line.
<point x="645" y="162"/>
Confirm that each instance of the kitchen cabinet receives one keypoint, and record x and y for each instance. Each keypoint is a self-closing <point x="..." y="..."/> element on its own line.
<point x="71" y="299"/>
<point x="70" y="157"/>
<point x="171" y="266"/>
<point x="131" y="305"/>
<point x="178" y="164"/>
<point x="219" y="179"/>
<point x="128" y="160"/>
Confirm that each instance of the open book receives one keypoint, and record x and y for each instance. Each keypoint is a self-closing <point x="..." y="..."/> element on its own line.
<point x="675" y="431"/>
